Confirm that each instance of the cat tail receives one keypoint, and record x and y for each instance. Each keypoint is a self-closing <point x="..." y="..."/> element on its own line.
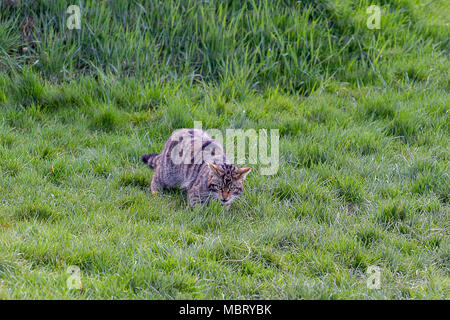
<point x="150" y="159"/>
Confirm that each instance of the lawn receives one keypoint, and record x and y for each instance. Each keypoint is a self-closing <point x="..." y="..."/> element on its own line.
<point x="363" y="117"/>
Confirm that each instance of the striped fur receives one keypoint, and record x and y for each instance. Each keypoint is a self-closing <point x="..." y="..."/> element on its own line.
<point x="194" y="161"/>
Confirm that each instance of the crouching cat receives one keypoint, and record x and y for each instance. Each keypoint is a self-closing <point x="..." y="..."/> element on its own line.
<point x="194" y="161"/>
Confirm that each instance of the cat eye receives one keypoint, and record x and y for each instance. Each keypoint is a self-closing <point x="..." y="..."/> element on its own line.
<point x="236" y="189"/>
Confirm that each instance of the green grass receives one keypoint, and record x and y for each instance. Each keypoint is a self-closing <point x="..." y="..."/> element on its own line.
<point x="364" y="149"/>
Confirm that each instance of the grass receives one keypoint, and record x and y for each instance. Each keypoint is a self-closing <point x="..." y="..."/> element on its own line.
<point x="364" y="149"/>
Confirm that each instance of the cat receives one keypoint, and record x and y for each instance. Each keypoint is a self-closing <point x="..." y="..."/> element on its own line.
<point x="197" y="163"/>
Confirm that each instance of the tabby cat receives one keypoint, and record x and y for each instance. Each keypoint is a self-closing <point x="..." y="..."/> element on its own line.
<point x="194" y="161"/>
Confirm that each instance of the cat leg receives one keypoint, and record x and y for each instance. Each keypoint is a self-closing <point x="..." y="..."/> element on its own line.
<point x="194" y="198"/>
<point x="155" y="186"/>
<point x="198" y="192"/>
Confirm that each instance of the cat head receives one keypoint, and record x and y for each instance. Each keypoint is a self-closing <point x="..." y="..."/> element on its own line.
<point x="226" y="181"/>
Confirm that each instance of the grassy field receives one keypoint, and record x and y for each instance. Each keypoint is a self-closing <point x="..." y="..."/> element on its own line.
<point x="364" y="149"/>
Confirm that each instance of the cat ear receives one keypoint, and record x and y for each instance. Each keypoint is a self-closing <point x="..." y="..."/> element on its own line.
<point x="243" y="172"/>
<point x="214" y="169"/>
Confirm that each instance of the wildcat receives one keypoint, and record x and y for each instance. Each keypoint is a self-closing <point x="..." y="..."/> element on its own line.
<point x="194" y="161"/>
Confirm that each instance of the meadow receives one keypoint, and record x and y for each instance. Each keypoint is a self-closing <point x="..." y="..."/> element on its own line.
<point x="363" y="116"/>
